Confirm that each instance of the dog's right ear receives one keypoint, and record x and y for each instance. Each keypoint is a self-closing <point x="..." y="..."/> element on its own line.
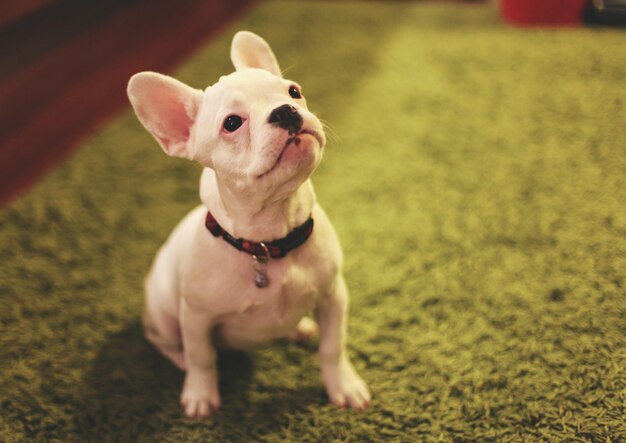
<point x="248" y="50"/>
<point x="167" y="108"/>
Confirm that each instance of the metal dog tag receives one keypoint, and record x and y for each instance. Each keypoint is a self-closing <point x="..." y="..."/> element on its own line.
<point x="260" y="279"/>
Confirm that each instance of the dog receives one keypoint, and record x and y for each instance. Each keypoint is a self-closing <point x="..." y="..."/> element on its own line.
<point x="259" y="254"/>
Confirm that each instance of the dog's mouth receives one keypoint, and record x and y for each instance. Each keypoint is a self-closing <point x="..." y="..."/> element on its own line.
<point x="296" y="140"/>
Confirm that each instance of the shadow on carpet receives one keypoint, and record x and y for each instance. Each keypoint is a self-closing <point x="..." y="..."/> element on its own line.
<point x="129" y="379"/>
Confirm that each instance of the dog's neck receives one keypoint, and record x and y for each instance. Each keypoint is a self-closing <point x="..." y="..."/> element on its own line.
<point x="256" y="217"/>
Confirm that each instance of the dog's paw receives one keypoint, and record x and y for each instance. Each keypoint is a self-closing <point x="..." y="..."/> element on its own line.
<point x="200" y="396"/>
<point x="306" y="330"/>
<point x="344" y="386"/>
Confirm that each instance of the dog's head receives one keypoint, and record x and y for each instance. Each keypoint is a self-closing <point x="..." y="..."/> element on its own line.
<point x="252" y="127"/>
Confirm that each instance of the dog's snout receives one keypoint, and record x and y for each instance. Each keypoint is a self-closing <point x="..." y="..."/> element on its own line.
<point x="286" y="117"/>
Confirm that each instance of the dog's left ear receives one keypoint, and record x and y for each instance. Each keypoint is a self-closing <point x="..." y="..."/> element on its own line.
<point x="248" y="50"/>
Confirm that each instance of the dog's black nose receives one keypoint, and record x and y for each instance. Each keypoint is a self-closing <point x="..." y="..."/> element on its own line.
<point x="286" y="117"/>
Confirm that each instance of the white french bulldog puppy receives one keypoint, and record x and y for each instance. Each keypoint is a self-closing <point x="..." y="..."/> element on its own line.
<point x="260" y="253"/>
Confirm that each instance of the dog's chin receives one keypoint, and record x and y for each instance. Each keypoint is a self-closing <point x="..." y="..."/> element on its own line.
<point x="299" y="156"/>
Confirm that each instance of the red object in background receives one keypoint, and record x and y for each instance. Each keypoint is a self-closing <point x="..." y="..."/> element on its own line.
<point x="543" y="12"/>
<point x="64" y="66"/>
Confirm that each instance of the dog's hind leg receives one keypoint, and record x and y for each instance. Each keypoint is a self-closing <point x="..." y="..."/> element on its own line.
<point x="165" y="338"/>
<point x="307" y="329"/>
<point x="160" y="322"/>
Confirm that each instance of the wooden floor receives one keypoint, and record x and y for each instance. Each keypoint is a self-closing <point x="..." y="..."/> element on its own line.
<point x="64" y="69"/>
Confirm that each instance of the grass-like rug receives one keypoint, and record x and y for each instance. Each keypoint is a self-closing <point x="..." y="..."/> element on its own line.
<point x="477" y="179"/>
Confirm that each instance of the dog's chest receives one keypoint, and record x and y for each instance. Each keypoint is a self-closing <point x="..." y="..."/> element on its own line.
<point x="290" y="288"/>
<point x="260" y="314"/>
<point x="224" y="284"/>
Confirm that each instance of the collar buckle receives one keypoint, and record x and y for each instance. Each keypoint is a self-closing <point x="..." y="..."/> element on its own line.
<point x="265" y="258"/>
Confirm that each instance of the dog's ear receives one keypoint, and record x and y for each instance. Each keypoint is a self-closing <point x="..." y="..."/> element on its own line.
<point x="248" y="50"/>
<point x="167" y="108"/>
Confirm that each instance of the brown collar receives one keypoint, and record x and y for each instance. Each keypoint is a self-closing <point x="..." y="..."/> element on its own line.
<point x="269" y="249"/>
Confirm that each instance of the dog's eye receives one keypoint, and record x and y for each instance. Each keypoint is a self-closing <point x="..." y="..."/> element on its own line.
<point x="232" y="123"/>
<point x="294" y="92"/>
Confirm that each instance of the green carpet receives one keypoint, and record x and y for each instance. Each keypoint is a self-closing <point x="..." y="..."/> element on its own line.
<point x="477" y="179"/>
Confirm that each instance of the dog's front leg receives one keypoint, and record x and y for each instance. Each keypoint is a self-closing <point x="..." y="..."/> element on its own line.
<point x="343" y="384"/>
<point x="200" y="394"/>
